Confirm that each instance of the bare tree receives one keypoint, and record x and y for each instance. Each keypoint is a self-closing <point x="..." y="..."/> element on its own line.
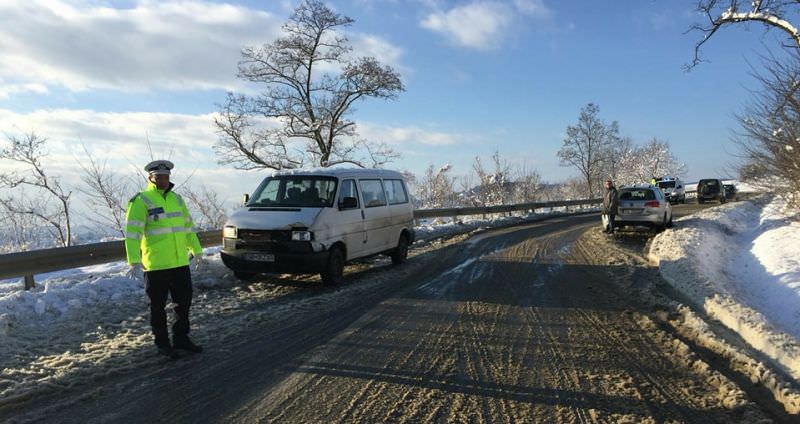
<point x="527" y="185"/>
<point x="106" y="193"/>
<point x="301" y="116"/>
<point x="770" y="136"/>
<point x="209" y="209"/>
<point x="639" y="164"/>
<point x="721" y="13"/>
<point x="29" y="151"/>
<point x="586" y="145"/>
<point x="435" y="189"/>
<point x="18" y="232"/>
<point x="495" y="184"/>
<point x="617" y="158"/>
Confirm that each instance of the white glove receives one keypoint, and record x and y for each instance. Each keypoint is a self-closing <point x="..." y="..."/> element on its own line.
<point x="136" y="272"/>
<point x="197" y="263"/>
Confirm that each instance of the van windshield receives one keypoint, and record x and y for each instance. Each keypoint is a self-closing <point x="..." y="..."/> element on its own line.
<point x="666" y="184"/>
<point x="300" y="191"/>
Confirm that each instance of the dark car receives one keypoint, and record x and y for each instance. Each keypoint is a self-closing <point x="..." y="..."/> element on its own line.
<point x="710" y="189"/>
<point x="730" y="191"/>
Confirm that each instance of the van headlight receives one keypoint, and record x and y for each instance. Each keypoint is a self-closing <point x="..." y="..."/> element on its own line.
<point x="301" y="235"/>
<point x="229" y="231"/>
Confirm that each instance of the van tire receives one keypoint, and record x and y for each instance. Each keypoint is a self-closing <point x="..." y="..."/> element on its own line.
<point x="400" y="253"/>
<point x="334" y="269"/>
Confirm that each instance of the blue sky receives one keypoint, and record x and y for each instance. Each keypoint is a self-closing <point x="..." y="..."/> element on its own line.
<point x="479" y="75"/>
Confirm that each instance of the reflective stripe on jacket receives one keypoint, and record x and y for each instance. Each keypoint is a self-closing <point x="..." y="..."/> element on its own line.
<point x="159" y="232"/>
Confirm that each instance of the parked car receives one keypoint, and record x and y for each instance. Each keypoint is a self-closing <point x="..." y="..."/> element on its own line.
<point x="643" y="205"/>
<point x="673" y="189"/>
<point x="710" y="189"/>
<point x="315" y="221"/>
<point x="730" y="191"/>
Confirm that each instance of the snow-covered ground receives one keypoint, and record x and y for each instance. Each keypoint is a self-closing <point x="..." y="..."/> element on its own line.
<point x="740" y="262"/>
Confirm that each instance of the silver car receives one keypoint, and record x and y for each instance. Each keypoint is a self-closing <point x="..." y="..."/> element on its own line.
<point x="643" y="206"/>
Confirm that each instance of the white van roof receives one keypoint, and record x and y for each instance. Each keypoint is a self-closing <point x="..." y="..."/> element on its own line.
<point x="342" y="172"/>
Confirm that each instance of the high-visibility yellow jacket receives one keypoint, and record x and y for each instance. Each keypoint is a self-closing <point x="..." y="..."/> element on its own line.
<point x="159" y="232"/>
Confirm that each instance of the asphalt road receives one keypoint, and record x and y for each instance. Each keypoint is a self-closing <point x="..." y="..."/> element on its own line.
<point x="533" y="323"/>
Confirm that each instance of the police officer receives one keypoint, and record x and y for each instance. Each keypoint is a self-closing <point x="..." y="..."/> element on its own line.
<point x="159" y="239"/>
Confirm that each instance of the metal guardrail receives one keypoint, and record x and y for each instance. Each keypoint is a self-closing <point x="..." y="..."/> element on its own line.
<point x="28" y="264"/>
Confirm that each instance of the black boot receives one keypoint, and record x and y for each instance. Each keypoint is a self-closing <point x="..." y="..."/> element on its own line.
<point x="167" y="350"/>
<point x="184" y="343"/>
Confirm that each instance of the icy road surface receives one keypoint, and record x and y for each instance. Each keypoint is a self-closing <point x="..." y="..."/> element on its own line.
<point x="537" y="323"/>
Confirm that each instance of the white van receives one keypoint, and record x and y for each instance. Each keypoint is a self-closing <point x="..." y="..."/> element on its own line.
<point x="673" y="189"/>
<point x="303" y="222"/>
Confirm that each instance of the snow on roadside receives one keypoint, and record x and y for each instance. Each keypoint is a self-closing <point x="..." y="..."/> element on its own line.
<point x="739" y="262"/>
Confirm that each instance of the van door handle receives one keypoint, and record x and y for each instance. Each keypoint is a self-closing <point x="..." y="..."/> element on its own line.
<point x="362" y="214"/>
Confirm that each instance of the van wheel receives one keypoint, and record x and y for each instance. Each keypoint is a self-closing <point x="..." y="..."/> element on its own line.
<point x="400" y="253"/>
<point x="243" y="275"/>
<point x="334" y="269"/>
<point x="669" y="223"/>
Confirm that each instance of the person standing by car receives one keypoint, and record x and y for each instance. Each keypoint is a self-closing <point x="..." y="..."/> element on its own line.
<point x="610" y="205"/>
<point x="159" y="237"/>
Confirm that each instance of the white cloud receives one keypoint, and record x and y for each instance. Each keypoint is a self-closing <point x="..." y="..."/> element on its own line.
<point x="405" y="136"/>
<point x="120" y="141"/>
<point x="476" y="25"/>
<point x="482" y="25"/>
<point x="155" y="44"/>
<point x="174" y="45"/>
<point x="382" y="50"/>
<point x="534" y="8"/>
<point x="6" y="90"/>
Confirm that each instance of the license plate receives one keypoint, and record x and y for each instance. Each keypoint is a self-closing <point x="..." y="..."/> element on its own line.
<point x="260" y="257"/>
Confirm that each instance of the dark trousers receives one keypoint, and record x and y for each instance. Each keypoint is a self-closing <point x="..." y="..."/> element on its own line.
<point x="177" y="282"/>
<point x="610" y="227"/>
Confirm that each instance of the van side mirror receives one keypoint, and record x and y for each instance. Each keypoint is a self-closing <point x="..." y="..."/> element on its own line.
<point x="680" y="186"/>
<point x="245" y="198"/>
<point x="348" y="203"/>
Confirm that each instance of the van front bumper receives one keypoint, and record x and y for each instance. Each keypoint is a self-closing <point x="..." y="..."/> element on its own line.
<point x="280" y="263"/>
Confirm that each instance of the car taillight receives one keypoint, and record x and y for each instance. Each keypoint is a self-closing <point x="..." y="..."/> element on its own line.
<point x="651" y="204"/>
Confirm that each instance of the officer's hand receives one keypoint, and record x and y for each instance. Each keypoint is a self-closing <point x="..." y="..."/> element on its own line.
<point x="197" y="263"/>
<point x="136" y="272"/>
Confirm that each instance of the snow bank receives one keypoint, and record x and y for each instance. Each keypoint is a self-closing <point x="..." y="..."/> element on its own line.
<point x="740" y="262"/>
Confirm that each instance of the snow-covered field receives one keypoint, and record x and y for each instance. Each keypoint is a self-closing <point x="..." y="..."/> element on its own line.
<point x="740" y="263"/>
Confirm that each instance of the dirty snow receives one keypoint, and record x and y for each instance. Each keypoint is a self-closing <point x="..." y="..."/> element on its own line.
<point x="740" y="262"/>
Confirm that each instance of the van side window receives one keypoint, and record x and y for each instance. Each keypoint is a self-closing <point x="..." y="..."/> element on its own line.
<point x="395" y="192"/>
<point x="372" y="191"/>
<point x="348" y="190"/>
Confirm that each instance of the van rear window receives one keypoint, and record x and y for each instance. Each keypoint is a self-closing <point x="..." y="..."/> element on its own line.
<point x="372" y="191"/>
<point x="395" y="192"/>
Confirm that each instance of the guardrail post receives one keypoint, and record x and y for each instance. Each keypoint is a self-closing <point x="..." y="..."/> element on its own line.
<point x="29" y="282"/>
